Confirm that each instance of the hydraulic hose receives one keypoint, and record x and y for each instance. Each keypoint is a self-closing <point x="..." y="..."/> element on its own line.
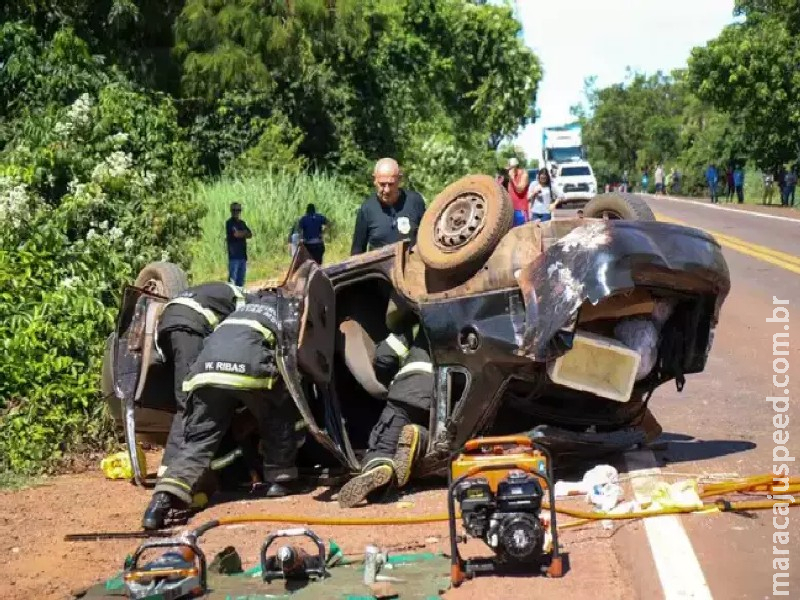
<point x="718" y="505"/>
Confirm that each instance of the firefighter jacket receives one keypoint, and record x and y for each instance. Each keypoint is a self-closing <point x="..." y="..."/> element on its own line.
<point x="240" y="353"/>
<point x="201" y="308"/>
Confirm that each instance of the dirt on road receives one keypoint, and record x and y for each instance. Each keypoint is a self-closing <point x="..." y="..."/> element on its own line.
<point x="36" y="562"/>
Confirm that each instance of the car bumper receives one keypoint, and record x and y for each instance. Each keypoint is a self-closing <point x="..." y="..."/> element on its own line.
<point x="602" y="258"/>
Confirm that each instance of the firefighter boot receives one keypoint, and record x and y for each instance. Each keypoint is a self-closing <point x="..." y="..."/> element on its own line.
<point x="377" y="473"/>
<point x="160" y="505"/>
<point x="410" y="448"/>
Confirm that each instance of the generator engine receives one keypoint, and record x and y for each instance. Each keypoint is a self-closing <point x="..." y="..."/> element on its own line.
<point x="499" y="484"/>
<point x="507" y="521"/>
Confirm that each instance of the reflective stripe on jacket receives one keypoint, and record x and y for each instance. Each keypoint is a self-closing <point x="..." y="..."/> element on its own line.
<point x="201" y="308"/>
<point x="239" y="354"/>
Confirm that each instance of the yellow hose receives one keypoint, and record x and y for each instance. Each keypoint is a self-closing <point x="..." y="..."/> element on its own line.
<point x="580" y="514"/>
<point x="755" y="484"/>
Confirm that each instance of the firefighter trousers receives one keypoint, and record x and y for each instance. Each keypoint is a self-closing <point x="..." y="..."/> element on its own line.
<point x="209" y="413"/>
<point x="385" y="435"/>
<point x="182" y="347"/>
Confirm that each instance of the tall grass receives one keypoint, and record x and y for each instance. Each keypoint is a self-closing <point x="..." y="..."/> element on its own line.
<point x="271" y="203"/>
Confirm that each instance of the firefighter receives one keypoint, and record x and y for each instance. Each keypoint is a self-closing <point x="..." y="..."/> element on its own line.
<point x="237" y="364"/>
<point x="400" y="435"/>
<point x="184" y="324"/>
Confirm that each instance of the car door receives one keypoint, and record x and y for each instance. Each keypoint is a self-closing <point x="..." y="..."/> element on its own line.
<point x="313" y="357"/>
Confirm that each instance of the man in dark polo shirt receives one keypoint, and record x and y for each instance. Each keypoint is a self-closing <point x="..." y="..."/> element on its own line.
<point x="390" y="214"/>
<point x="236" y="235"/>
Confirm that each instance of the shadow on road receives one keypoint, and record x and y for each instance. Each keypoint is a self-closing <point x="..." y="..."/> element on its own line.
<point x="685" y="448"/>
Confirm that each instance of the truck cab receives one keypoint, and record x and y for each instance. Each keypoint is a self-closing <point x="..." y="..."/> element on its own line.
<point x="576" y="182"/>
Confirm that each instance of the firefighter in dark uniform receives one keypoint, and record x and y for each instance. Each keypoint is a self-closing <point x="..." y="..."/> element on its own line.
<point x="184" y="324"/>
<point x="400" y="435"/>
<point x="237" y="364"/>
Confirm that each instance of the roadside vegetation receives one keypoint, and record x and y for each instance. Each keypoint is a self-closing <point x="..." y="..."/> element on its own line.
<point x="735" y="101"/>
<point x="272" y="201"/>
<point x="127" y="127"/>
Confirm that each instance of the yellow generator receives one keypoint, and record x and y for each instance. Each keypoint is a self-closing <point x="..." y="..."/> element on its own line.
<point x="499" y="484"/>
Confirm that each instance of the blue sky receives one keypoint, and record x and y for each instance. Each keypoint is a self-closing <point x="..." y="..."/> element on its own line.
<point x="578" y="38"/>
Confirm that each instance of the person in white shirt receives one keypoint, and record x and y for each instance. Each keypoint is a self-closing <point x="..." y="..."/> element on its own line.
<point x="541" y="200"/>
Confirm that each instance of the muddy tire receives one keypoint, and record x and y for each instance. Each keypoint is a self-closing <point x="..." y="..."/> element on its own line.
<point x="163" y="278"/>
<point x="463" y="224"/>
<point x="618" y="206"/>
<point x="107" y="382"/>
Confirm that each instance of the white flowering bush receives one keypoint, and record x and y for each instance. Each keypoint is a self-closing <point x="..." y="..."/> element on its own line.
<point x="90" y="191"/>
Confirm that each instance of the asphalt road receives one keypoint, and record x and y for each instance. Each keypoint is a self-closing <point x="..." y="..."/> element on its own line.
<point x="723" y="423"/>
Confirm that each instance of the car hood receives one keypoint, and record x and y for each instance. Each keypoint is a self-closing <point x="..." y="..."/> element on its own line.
<point x="603" y="257"/>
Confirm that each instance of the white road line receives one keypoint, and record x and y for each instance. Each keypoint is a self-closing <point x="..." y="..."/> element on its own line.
<point x="718" y="207"/>
<point x="677" y="565"/>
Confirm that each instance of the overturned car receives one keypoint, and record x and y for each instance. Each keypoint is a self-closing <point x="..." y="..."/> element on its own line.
<point x="561" y="330"/>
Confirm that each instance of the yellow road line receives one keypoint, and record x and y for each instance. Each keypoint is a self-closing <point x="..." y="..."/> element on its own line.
<point x="780" y="259"/>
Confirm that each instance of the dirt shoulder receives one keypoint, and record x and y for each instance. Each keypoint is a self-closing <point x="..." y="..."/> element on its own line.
<point x="36" y="562"/>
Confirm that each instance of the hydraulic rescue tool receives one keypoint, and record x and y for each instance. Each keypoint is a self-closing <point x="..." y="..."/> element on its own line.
<point x="292" y="562"/>
<point x="178" y="574"/>
<point x="499" y="483"/>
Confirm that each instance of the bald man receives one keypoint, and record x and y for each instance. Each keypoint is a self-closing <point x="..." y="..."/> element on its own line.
<point x="390" y="214"/>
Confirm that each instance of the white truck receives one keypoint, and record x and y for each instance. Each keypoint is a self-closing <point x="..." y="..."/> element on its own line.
<point x="565" y="158"/>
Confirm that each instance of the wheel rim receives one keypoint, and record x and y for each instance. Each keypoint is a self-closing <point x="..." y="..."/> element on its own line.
<point x="610" y="215"/>
<point x="154" y="286"/>
<point x="460" y="221"/>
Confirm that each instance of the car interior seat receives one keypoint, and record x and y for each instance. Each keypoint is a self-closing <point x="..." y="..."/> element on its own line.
<point x="359" y="354"/>
<point x="358" y="347"/>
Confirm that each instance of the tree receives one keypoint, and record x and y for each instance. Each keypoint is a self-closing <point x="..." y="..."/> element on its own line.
<point x="752" y="72"/>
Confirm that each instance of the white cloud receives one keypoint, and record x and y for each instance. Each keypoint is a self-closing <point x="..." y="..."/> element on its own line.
<point x="575" y="39"/>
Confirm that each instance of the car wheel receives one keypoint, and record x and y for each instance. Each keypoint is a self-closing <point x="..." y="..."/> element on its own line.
<point x="618" y="206"/>
<point x="107" y="383"/>
<point x="463" y="224"/>
<point x="163" y="278"/>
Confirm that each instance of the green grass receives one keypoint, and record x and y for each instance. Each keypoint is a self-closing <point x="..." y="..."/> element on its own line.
<point x="270" y="204"/>
<point x="10" y="482"/>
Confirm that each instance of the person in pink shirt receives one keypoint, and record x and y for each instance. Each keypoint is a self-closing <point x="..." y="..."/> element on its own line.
<point x="518" y="190"/>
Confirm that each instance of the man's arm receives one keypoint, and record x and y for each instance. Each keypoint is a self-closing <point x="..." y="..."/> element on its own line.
<point x="359" y="244"/>
<point x="244" y="232"/>
<point x="523" y="182"/>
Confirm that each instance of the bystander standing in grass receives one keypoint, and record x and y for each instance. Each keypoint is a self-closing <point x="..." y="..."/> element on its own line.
<point x="311" y="227"/>
<point x="237" y="233"/>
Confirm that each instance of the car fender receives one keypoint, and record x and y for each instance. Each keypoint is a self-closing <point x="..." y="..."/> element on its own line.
<point x="605" y="257"/>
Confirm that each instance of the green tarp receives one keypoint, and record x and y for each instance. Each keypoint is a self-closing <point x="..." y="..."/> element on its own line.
<point x="425" y="576"/>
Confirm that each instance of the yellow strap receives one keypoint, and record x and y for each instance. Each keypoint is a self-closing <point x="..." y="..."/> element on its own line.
<point x="245" y="382"/>
<point x="177" y="482"/>
<point x="415" y="367"/>
<point x="397" y="345"/>
<point x="270" y="337"/>
<point x="240" y="299"/>
<point x="212" y="319"/>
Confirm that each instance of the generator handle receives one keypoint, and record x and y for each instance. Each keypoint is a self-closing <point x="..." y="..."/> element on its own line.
<point x="500" y="440"/>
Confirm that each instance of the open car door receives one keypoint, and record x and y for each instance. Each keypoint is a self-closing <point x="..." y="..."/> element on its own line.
<point x="142" y="383"/>
<point x="312" y="355"/>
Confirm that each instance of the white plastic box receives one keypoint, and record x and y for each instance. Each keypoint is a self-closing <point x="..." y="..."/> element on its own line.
<point x="597" y="364"/>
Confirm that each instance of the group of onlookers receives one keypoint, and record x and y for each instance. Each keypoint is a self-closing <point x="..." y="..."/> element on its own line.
<point x="734" y="182"/>
<point x="787" y="184"/>
<point x="532" y="201"/>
